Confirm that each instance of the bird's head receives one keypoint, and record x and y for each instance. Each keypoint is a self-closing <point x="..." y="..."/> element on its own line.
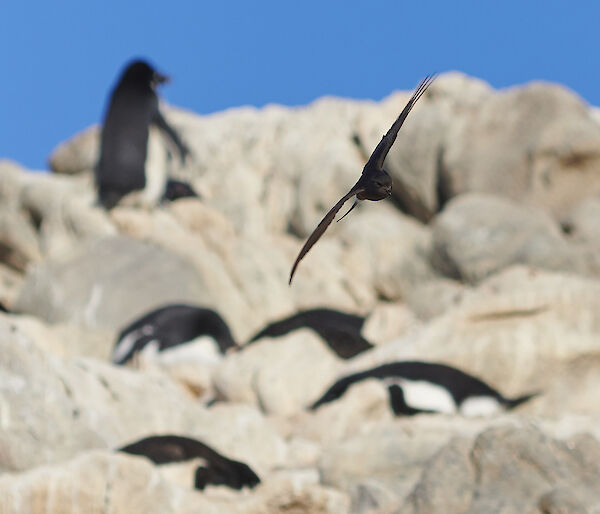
<point x="377" y="187"/>
<point x="140" y="72"/>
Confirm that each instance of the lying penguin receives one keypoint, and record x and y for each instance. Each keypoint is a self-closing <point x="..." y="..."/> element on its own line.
<point x="341" y="331"/>
<point x="215" y="469"/>
<point x="172" y="325"/>
<point x="425" y="387"/>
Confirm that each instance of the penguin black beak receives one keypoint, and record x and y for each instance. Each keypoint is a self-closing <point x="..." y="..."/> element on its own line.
<point x="159" y="78"/>
<point x="389" y="191"/>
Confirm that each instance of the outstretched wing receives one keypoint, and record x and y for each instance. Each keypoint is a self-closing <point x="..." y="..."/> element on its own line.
<point x="380" y="153"/>
<point x="321" y="227"/>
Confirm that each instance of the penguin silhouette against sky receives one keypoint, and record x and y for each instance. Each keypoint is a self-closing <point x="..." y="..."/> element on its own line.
<point x="132" y="110"/>
<point x="375" y="183"/>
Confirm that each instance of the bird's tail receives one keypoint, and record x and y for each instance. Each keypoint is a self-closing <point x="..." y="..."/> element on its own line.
<point x="511" y="403"/>
<point x="353" y="205"/>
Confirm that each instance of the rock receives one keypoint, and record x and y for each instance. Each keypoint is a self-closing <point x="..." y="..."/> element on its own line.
<point x="485" y="281"/>
<point x="96" y="481"/>
<point x="63" y="340"/>
<point x="389" y="456"/>
<point x="507" y="469"/>
<point x="135" y="276"/>
<point x="64" y="212"/>
<point x="561" y="501"/>
<point x="18" y="240"/>
<point x="432" y="492"/>
<point x="11" y="282"/>
<point x="520" y="331"/>
<point x="78" y="153"/>
<point x="581" y="223"/>
<point x="362" y="406"/>
<point x="388" y="321"/>
<point x="477" y="235"/>
<point x="12" y="178"/>
<point x="242" y="433"/>
<point x="536" y="144"/>
<point x="191" y="364"/>
<point x="280" y="386"/>
<point x="53" y="409"/>
<point x="415" y="158"/>
<point x="393" y="247"/>
<point x="430" y="299"/>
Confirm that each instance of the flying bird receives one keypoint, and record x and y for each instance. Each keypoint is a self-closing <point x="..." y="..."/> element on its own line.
<point x="374" y="183"/>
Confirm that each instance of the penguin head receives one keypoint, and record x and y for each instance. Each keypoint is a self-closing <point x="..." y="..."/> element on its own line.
<point x="140" y="72"/>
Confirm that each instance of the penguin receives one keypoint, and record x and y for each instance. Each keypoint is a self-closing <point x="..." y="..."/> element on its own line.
<point x="215" y="470"/>
<point x="426" y="387"/>
<point x="125" y="145"/>
<point x="176" y="189"/>
<point x="341" y="331"/>
<point x="171" y="325"/>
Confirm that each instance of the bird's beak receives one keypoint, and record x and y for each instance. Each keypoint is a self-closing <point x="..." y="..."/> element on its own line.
<point x="159" y="78"/>
<point x="389" y="191"/>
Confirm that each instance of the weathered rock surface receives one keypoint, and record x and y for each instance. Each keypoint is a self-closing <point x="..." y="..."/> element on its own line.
<point x="536" y="143"/>
<point x="498" y="275"/>
<point x="300" y="365"/>
<point x="98" y="481"/>
<point x="510" y="469"/>
<point x="477" y="235"/>
<point x="80" y="153"/>
<point x="109" y="282"/>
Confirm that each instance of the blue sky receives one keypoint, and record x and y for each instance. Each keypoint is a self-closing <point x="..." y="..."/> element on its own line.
<point x="60" y="58"/>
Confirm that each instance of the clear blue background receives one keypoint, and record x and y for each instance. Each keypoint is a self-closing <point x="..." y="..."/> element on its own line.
<point x="59" y="59"/>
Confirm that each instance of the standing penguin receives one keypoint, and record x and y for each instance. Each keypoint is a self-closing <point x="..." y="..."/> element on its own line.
<point x="125" y="144"/>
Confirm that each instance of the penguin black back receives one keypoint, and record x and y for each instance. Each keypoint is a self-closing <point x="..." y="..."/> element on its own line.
<point x="132" y="108"/>
<point x="217" y="469"/>
<point x="340" y="330"/>
<point x="459" y="385"/>
<point x="169" y="326"/>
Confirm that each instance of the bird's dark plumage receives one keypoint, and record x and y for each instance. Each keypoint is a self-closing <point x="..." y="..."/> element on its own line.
<point x="459" y="385"/>
<point x="374" y="183"/>
<point x="169" y="326"/>
<point x="177" y="189"/>
<point x="132" y="109"/>
<point x="218" y="470"/>
<point x="340" y="330"/>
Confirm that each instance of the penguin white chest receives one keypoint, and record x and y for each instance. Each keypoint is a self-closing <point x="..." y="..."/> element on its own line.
<point x="424" y="395"/>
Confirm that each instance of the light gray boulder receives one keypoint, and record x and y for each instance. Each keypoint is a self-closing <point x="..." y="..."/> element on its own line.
<point x="282" y="375"/>
<point x="510" y="470"/>
<point x="107" y="283"/>
<point x="477" y="235"/>
<point x="536" y="144"/>
<point x="79" y="153"/>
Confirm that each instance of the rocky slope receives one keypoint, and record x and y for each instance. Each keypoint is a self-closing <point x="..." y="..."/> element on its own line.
<point x="503" y="282"/>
